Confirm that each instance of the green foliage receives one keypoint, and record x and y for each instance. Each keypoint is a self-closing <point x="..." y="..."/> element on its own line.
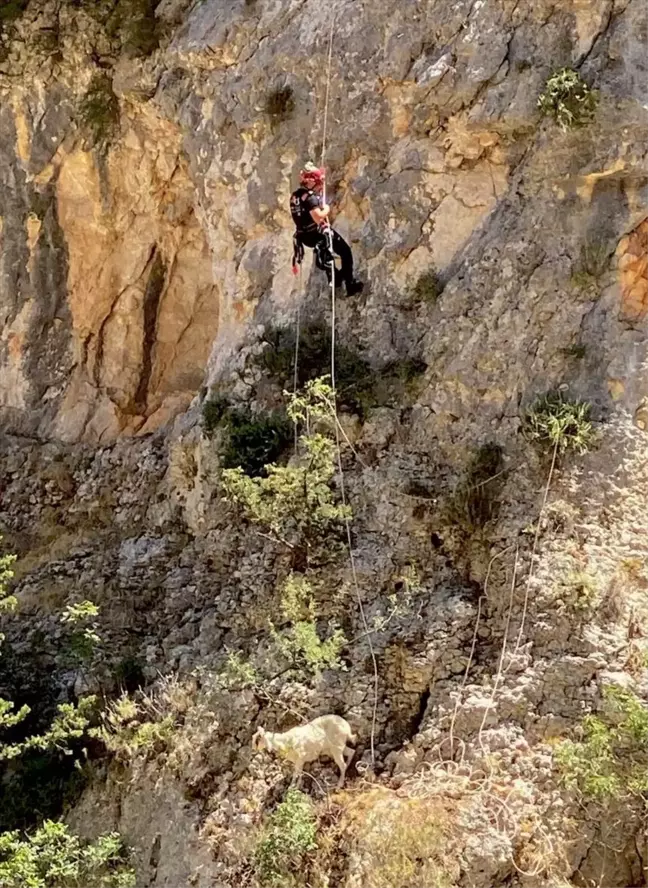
<point x="557" y="423"/>
<point x="476" y="499"/>
<point x="238" y="672"/>
<point x="250" y="441"/>
<point x="301" y="642"/>
<point x="254" y="441"/>
<point x="427" y="288"/>
<point x="354" y="378"/>
<point x="52" y="857"/>
<point x="84" y="637"/>
<point x="99" y="112"/>
<point x="10" y="10"/>
<point x="213" y="411"/>
<point x="127" y="733"/>
<point x="611" y="759"/>
<point x="296" y="503"/>
<point x="280" y="104"/>
<point x="289" y="836"/>
<point x="358" y="386"/>
<point x="8" y="603"/>
<point x="568" y="99"/>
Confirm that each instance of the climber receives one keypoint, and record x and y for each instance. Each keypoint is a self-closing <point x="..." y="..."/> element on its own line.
<point x="310" y="215"/>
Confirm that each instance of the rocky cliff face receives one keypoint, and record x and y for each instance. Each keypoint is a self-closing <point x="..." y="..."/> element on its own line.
<point x="143" y="272"/>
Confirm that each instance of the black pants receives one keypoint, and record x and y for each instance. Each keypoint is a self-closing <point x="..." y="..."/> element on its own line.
<point x="319" y="242"/>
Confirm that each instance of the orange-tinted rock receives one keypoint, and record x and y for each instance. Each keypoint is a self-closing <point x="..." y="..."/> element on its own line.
<point x="632" y="265"/>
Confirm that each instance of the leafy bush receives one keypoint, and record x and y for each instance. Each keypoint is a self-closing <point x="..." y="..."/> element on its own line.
<point x="127" y="731"/>
<point x="301" y="642"/>
<point x="213" y="410"/>
<point x="285" y="842"/>
<point x="611" y="759"/>
<point x="52" y="857"/>
<point x="84" y="637"/>
<point x="99" y="112"/>
<point x="476" y="499"/>
<point x="250" y="441"/>
<point x="568" y="99"/>
<point x="296" y="503"/>
<point x="280" y="103"/>
<point x="428" y="287"/>
<point x="557" y="423"/>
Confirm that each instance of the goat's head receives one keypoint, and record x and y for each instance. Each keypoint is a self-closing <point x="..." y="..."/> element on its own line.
<point x="259" y="739"/>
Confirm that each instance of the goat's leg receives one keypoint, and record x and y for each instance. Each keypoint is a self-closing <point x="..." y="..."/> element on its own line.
<point x="297" y="776"/>
<point x="348" y="754"/>
<point x="342" y="765"/>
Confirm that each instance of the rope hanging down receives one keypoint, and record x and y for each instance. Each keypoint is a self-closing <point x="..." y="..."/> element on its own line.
<point x="347" y="522"/>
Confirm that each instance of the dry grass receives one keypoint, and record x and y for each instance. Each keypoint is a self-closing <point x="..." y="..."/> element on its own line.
<point x="400" y="842"/>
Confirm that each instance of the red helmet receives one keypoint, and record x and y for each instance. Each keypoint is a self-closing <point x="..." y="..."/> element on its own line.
<point x="311" y="173"/>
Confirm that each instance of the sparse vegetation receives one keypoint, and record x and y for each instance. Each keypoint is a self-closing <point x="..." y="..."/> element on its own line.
<point x="610" y="760"/>
<point x="301" y="642"/>
<point x="592" y="263"/>
<point x="280" y="103"/>
<point x="403" y="841"/>
<point x="427" y="288"/>
<point x="568" y="99"/>
<point x="99" y="112"/>
<point x="575" y="351"/>
<point x="52" y="857"/>
<point x="558" y="424"/>
<point x="286" y="841"/>
<point x="358" y="386"/>
<point x="580" y="591"/>
<point x="476" y="499"/>
<point x="213" y="410"/>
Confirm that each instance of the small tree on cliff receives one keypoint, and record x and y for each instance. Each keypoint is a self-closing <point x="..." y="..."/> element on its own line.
<point x="297" y="504"/>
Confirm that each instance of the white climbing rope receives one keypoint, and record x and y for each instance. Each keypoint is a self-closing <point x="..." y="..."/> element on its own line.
<point x="347" y="521"/>
<point x="338" y="428"/>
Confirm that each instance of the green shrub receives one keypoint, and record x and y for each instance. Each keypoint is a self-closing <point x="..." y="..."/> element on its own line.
<point x="127" y="731"/>
<point x="280" y="104"/>
<point x="555" y="422"/>
<point x="250" y="440"/>
<point x="301" y="642"/>
<point x="84" y="638"/>
<point x="52" y="857"/>
<point x="611" y="759"/>
<point x="568" y="99"/>
<point x="296" y="503"/>
<point x="99" y="112"/>
<point x="213" y="410"/>
<point x="254" y="440"/>
<point x="427" y="288"/>
<point x="287" y="839"/>
<point x="476" y="499"/>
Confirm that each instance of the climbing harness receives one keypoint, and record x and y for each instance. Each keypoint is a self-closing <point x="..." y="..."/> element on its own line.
<point x="326" y="256"/>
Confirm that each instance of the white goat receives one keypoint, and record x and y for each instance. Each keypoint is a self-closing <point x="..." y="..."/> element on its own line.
<point x="326" y="735"/>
